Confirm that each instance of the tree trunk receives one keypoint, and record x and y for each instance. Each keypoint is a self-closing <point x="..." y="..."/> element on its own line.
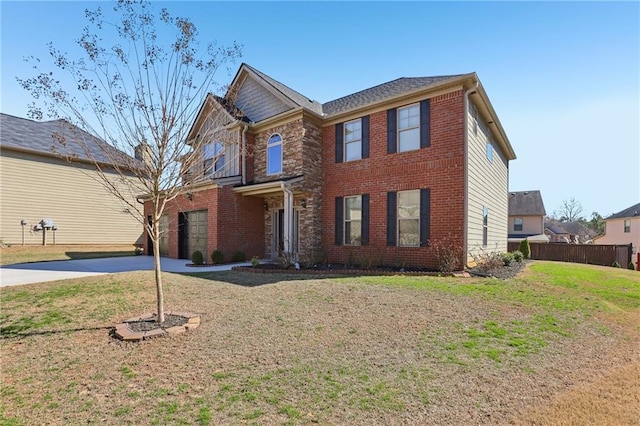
<point x="157" y="270"/>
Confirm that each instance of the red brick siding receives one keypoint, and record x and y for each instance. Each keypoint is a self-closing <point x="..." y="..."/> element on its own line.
<point x="439" y="167"/>
<point x="239" y="225"/>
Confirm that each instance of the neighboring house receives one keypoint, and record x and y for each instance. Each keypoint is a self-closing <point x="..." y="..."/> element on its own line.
<point x="45" y="173"/>
<point x="567" y="232"/>
<point x="377" y="176"/>
<point x="623" y="228"/>
<point x="526" y="217"/>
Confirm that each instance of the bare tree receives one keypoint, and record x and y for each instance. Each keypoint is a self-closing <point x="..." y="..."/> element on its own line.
<point x="570" y="210"/>
<point x="143" y="92"/>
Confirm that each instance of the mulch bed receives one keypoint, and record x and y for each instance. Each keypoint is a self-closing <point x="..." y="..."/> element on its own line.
<point x="151" y="323"/>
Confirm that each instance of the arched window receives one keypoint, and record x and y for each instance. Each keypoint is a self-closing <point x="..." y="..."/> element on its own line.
<point x="274" y="155"/>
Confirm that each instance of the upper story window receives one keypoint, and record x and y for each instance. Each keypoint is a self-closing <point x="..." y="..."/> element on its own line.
<point x="274" y="155"/>
<point x="517" y="224"/>
<point x="353" y="140"/>
<point x="489" y="150"/>
<point x="409" y="218"/>
<point x="213" y="155"/>
<point x="627" y="225"/>
<point x="409" y="128"/>
<point x="485" y="226"/>
<point x="353" y="220"/>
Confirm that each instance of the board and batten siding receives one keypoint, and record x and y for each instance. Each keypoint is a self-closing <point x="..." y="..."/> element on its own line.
<point x="257" y="102"/>
<point x="35" y="187"/>
<point x="488" y="185"/>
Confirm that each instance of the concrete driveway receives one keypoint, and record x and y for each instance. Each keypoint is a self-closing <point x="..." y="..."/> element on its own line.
<point x="37" y="272"/>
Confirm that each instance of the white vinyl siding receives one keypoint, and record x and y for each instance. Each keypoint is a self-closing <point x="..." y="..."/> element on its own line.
<point x="488" y="186"/>
<point x="36" y="187"/>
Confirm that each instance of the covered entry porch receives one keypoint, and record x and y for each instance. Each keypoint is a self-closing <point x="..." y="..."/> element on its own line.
<point x="282" y="211"/>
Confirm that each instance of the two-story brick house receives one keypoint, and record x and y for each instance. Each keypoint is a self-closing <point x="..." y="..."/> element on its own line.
<point x="373" y="177"/>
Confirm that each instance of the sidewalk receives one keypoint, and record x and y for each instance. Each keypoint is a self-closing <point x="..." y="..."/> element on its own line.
<point x="37" y="272"/>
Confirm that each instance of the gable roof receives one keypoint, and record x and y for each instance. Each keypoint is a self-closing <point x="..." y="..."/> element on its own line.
<point x="384" y="91"/>
<point x="526" y="203"/>
<point x="58" y="138"/>
<point x="293" y="96"/>
<point x="628" y="212"/>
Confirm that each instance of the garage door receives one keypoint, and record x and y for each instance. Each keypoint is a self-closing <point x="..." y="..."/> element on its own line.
<point x="193" y="233"/>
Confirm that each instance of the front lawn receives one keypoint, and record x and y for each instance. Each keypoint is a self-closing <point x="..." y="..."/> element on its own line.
<point x="555" y="344"/>
<point x="31" y="253"/>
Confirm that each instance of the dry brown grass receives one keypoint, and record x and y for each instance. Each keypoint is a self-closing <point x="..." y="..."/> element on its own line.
<point x="38" y="253"/>
<point x="280" y="349"/>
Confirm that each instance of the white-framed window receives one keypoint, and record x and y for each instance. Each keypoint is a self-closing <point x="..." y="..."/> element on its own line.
<point x="517" y="224"/>
<point x="274" y="155"/>
<point x="353" y="220"/>
<point x="409" y="128"/>
<point x="409" y="218"/>
<point x="353" y="140"/>
<point x="489" y="150"/>
<point x="627" y="226"/>
<point x="213" y="155"/>
<point x="485" y="226"/>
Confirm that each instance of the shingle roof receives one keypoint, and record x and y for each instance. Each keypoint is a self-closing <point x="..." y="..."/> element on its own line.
<point x="294" y="96"/>
<point x="384" y="91"/>
<point x="628" y="212"/>
<point x="526" y="203"/>
<point x="58" y="138"/>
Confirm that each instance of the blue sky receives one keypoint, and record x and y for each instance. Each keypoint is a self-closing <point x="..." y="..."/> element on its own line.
<point x="564" y="78"/>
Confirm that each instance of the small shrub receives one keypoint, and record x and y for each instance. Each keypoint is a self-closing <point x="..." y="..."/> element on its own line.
<point x="287" y="260"/>
<point x="448" y="252"/>
<point x="507" y="258"/>
<point x="615" y="264"/>
<point x="139" y="251"/>
<point x="525" y="248"/>
<point x="239" y="256"/>
<point x="197" y="258"/>
<point x="487" y="260"/>
<point x="255" y="261"/>
<point x="217" y="257"/>
<point x="517" y="256"/>
<point x="631" y="266"/>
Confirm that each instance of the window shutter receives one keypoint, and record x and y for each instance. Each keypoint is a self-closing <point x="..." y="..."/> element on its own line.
<point x="391" y="218"/>
<point x="425" y="122"/>
<point x="365" y="137"/>
<point x="391" y="130"/>
<point x="365" y="220"/>
<point x="425" y="217"/>
<point x="339" y="142"/>
<point x="339" y="220"/>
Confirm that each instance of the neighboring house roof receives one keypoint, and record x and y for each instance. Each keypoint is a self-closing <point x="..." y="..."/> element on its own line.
<point x="526" y="203"/>
<point x="572" y="228"/>
<point x="555" y="227"/>
<point x="628" y="212"/>
<point x="58" y="138"/>
<point x="384" y="91"/>
<point x="288" y="92"/>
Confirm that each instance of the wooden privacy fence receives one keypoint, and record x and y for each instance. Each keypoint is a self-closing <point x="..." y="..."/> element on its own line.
<point x="595" y="254"/>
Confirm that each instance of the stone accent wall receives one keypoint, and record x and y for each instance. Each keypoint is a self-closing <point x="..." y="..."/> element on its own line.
<point x="439" y="167"/>
<point x="292" y="147"/>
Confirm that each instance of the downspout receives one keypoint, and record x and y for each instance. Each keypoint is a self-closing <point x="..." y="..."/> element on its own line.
<point x="465" y="239"/>
<point x="244" y="154"/>
<point x="288" y="217"/>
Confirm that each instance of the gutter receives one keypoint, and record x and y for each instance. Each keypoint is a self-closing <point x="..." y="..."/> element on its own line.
<point x="244" y="153"/>
<point x="465" y="227"/>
